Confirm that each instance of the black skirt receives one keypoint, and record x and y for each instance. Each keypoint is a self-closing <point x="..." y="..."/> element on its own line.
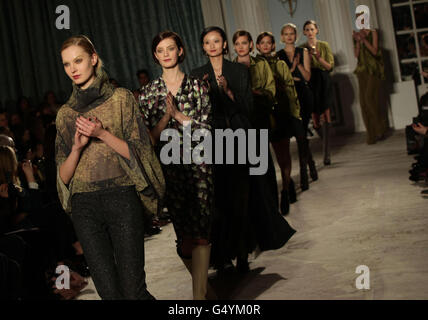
<point x="322" y="88"/>
<point x="306" y="99"/>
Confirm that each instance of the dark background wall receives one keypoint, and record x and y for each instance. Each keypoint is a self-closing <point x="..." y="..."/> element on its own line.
<point x="121" y="30"/>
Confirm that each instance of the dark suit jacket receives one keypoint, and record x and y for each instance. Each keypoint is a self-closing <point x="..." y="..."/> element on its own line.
<point x="228" y="113"/>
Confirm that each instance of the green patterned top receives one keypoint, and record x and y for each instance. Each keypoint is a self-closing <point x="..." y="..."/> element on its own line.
<point x="368" y="63"/>
<point x="284" y="79"/>
<point x="325" y="51"/>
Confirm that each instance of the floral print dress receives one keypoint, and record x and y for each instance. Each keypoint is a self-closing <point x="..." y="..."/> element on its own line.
<point x="189" y="187"/>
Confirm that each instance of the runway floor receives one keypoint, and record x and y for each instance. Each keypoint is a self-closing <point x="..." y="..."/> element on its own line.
<point x="362" y="211"/>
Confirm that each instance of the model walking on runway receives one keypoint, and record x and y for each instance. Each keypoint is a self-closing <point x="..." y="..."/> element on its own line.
<point x="299" y="63"/>
<point x="321" y="83"/>
<point x="107" y="169"/>
<point x="171" y="102"/>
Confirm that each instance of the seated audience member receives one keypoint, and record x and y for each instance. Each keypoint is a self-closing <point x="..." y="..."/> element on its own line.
<point x="143" y="78"/>
<point x="4" y="121"/>
<point x="23" y="214"/>
<point x="419" y="170"/>
<point x="6" y="141"/>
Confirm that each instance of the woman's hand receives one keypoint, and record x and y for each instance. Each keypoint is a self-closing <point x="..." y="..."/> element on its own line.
<point x="80" y="141"/>
<point x="206" y="80"/>
<point x="4" y="191"/>
<point x="296" y="61"/>
<point x="419" y="128"/>
<point x="222" y="83"/>
<point x="171" y="108"/>
<point x="91" y="127"/>
<point x="27" y="168"/>
<point x="356" y="36"/>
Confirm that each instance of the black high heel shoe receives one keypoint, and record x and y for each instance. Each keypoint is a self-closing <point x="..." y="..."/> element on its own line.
<point x="285" y="203"/>
<point x="242" y="265"/>
<point x="292" y="192"/>
<point x="313" y="171"/>
<point x="304" y="180"/>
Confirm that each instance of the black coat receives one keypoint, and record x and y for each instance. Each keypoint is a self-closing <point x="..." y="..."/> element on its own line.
<point x="228" y="113"/>
<point x="261" y="225"/>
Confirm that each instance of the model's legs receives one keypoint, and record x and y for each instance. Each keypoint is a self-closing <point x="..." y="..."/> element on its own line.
<point x="126" y="228"/>
<point x="282" y="152"/>
<point x="367" y="110"/>
<point x="92" y="232"/>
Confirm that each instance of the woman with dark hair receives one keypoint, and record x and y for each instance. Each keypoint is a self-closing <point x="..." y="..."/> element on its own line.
<point x="321" y="83"/>
<point x="109" y="175"/>
<point x="286" y="121"/>
<point x="177" y="101"/>
<point x="231" y="98"/>
<point x="299" y="63"/>
<point x="271" y="230"/>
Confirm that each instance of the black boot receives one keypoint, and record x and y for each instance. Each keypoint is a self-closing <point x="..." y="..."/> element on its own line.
<point x="313" y="169"/>
<point x="292" y="192"/>
<point x="285" y="203"/>
<point x="242" y="265"/>
<point x="326" y="143"/>
<point x="304" y="180"/>
<point x="302" y="145"/>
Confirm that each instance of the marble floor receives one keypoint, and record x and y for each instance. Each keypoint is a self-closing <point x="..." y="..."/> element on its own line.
<point x="363" y="211"/>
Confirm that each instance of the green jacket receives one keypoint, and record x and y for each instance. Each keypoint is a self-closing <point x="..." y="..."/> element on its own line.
<point x="284" y="81"/>
<point x="324" y="49"/>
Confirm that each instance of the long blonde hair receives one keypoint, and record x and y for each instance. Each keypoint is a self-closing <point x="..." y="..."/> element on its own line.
<point x="8" y="166"/>
<point x="87" y="45"/>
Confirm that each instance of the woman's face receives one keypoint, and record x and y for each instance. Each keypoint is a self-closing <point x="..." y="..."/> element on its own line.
<point x="311" y="31"/>
<point x="167" y="53"/>
<point x="266" y="46"/>
<point x="214" y="44"/>
<point x="79" y="65"/>
<point x="243" y="46"/>
<point x="289" y="35"/>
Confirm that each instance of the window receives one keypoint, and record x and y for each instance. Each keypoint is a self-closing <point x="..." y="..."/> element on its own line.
<point x="411" y="33"/>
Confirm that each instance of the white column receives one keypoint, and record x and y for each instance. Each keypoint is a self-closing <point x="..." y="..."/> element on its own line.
<point x="387" y="35"/>
<point x="336" y="28"/>
<point x="251" y="15"/>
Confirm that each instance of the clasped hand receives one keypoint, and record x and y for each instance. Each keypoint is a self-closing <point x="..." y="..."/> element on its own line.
<point x="91" y="128"/>
<point x="171" y="108"/>
<point x="85" y="129"/>
<point x="419" y="128"/>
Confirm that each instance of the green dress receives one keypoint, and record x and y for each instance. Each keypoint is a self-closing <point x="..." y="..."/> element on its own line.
<point x="369" y="63"/>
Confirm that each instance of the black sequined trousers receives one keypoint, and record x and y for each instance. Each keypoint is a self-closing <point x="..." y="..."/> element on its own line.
<point x="110" y="226"/>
